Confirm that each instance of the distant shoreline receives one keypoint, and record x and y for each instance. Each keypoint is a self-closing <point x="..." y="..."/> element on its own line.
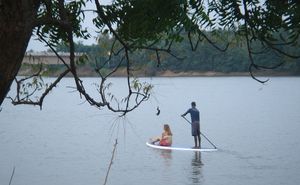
<point x="219" y="74"/>
<point x="89" y="72"/>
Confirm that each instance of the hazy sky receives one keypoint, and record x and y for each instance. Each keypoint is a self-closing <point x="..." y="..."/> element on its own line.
<point x="38" y="46"/>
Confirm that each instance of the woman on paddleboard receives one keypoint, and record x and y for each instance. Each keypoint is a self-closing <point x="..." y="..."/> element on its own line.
<point x="166" y="137"/>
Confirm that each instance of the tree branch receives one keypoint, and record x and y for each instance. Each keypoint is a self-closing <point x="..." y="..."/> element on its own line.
<point x="252" y="64"/>
<point x="111" y="162"/>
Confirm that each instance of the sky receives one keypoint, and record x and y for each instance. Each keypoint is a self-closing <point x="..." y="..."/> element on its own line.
<point x="37" y="46"/>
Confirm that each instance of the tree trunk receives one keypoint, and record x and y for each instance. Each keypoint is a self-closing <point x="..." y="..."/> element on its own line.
<point x="16" y="24"/>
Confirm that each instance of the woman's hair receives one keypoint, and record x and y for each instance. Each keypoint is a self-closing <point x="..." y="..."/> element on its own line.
<point x="167" y="129"/>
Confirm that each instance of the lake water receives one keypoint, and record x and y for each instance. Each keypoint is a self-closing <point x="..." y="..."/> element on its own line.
<point x="256" y="128"/>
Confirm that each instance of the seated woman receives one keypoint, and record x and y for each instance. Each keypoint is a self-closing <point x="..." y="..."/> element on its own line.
<point x="165" y="139"/>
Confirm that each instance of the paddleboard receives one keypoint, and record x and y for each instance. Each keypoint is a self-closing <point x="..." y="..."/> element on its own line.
<point x="180" y="148"/>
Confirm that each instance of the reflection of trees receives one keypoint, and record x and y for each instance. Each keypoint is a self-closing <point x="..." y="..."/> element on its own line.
<point x="196" y="165"/>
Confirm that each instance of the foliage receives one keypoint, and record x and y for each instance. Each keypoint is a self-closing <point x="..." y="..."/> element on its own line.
<point x="166" y="32"/>
<point x="205" y="58"/>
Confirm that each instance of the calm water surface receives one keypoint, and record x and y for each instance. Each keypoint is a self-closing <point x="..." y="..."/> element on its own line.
<point x="256" y="128"/>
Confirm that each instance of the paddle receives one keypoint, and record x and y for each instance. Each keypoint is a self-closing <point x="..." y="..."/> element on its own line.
<point x="201" y="133"/>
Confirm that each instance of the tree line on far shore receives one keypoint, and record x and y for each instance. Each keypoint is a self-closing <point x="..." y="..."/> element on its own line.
<point x="205" y="58"/>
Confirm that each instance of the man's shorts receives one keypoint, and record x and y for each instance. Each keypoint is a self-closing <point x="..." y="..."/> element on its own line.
<point x="195" y="128"/>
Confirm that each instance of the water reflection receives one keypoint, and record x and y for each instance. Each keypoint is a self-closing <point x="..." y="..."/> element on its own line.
<point x="166" y="155"/>
<point x="196" y="164"/>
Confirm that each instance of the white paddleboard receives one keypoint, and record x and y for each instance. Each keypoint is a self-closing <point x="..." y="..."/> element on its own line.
<point x="180" y="148"/>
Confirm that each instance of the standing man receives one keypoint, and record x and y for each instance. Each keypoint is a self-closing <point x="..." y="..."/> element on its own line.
<point x="195" y="117"/>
